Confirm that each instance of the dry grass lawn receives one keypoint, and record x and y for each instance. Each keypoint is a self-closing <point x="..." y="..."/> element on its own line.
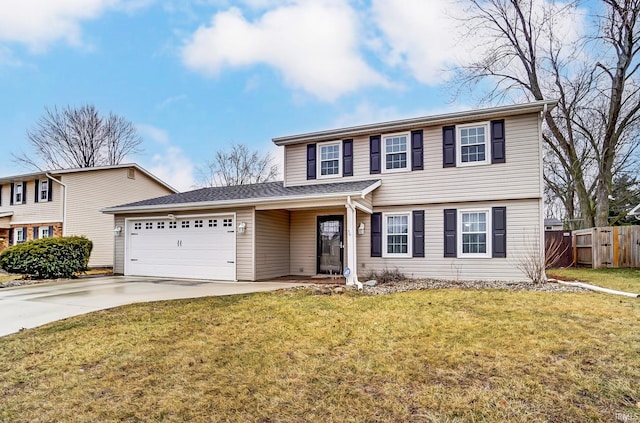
<point x="7" y="278"/>
<point x="422" y="356"/>
<point x="621" y="279"/>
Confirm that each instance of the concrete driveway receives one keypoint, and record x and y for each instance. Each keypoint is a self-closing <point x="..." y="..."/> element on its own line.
<point x="34" y="305"/>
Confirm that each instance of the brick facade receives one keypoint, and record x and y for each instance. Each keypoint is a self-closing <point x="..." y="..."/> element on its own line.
<point x="4" y="233"/>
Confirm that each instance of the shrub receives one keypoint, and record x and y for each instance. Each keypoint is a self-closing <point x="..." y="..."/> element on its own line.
<point x="48" y="258"/>
<point x="386" y="276"/>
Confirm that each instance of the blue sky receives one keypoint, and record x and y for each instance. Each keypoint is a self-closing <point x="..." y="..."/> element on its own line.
<point x="196" y="76"/>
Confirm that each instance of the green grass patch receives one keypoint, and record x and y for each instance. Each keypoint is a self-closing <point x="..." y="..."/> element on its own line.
<point x="423" y="356"/>
<point x="621" y="279"/>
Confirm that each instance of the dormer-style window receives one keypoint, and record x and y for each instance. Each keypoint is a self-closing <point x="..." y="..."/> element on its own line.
<point x="397" y="157"/>
<point x="18" y="193"/>
<point x="43" y="193"/>
<point x="329" y="160"/>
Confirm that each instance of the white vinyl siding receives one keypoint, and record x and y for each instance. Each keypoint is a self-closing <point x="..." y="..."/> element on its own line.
<point x="272" y="244"/>
<point x="518" y="178"/>
<point x="523" y="240"/>
<point x="32" y="212"/>
<point x="88" y="192"/>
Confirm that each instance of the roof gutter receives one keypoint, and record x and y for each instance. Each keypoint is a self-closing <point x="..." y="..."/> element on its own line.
<point x="219" y="204"/>
<point x="414" y="123"/>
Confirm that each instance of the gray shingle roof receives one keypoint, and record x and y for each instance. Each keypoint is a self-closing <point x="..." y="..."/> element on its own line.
<point x="264" y="190"/>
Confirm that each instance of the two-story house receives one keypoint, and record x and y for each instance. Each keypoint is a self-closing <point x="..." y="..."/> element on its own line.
<point x="456" y="196"/>
<point x="68" y="202"/>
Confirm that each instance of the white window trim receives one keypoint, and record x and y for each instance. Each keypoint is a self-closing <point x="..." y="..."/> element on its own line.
<point x="41" y="229"/>
<point x="16" y="241"/>
<point x="319" y="159"/>
<point x="383" y="149"/>
<point x="409" y="234"/>
<point x="15" y="192"/>
<point x="459" y="234"/>
<point x="45" y="191"/>
<point x="487" y="141"/>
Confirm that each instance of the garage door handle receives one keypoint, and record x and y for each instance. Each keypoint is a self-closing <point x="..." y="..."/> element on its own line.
<point x="228" y="261"/>
<point x="134" y="259"/>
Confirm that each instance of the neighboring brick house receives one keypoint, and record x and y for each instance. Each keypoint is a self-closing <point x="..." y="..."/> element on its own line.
<point x="68" y="202"/>
<point x="456" y="196"/>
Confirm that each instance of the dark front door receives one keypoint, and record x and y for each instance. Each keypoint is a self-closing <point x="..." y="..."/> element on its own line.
<point x="330" y="244"/>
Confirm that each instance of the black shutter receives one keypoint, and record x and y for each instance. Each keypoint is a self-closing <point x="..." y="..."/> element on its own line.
<point x="311" y="161"/>
<point x="417" y="155"/>
<point x="50" y="193"/>
<point x="376" y="235"/>
<point x="11" y="198"/>
<point x="35" y="232"/>
<point x="36" y="199"/>
<point x="50" y="231"/>
<point x="11" y="237"/>
<point x="0" y="195"/>
<point x="450" y="228"/>
<point x="374" y="154"/>
<point x="347" y="158"/>
<point x="499" y="229"/>
<point x="449" y="146"/>
<point x="24" y="192"/>
<point x="497" y="141"/>
<point x="418" y="233"/>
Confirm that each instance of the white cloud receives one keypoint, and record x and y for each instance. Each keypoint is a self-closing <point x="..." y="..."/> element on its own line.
<point x="313" y="44"/>
<point x="153" y="133"/>
<point x="39" y="23"/>
<point x="173" y="167"/>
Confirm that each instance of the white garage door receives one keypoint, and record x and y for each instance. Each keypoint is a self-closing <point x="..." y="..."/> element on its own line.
<point x="196" y="247"/>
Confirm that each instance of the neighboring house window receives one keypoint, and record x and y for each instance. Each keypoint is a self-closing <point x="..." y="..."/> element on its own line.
<point x="396" y="154"/>
<point x="19" y="235"/>
<point x="44" y="190"/>
<point x="474" y="146"/>
<point x="474" y="233"/>
<point x="329" y="161"/>
<point x="396" y="235"/>
<point x="18" y="193"/>
<point x="43" y="232"/>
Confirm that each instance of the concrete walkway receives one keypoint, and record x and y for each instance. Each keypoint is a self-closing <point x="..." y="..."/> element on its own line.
<point x="34" y="305"/>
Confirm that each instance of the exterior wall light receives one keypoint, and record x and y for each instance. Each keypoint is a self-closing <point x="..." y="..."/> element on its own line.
<point x="117" y="230"/>
<point x="361" y="228"/>
<point x="242" y="227"/>
<point x="171" y="216"/>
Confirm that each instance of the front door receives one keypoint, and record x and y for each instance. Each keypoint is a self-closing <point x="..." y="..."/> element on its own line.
<point x="330" y="244"/>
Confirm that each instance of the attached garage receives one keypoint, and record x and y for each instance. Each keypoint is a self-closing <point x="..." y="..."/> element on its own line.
<point x="199" y="246"/>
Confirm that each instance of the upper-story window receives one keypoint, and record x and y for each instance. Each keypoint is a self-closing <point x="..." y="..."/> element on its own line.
<point x="329" y="161"/>
<point x="474" y="146"/>
<point x="18" y="192"/>
<point x="44" y="190"/>
<point x="396" y="153"/>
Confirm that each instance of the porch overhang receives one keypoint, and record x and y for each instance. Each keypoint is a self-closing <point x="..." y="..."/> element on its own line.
<point x="5" y="220"/>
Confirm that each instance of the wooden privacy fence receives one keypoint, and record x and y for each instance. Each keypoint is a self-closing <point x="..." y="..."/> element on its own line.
<point x="611" y="246"/>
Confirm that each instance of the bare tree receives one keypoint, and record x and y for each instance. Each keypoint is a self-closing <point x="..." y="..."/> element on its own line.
<point x="79" y="137"/>
<point x="593" y="132"/>
<point x="238" y="166"/>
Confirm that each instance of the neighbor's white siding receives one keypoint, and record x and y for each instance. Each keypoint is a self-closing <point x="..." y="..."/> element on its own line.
<point x="523" y="239"/>
<point x="32" y="212"/>
<point x="272" y="244"/>
<point x="88" y="192"/>
<point x="518" y="178"/>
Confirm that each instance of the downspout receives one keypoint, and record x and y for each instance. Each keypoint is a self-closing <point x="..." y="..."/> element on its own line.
<point x="64" y="202"/>
<point x="541" y="220"/>
<point x="352" y="279"/>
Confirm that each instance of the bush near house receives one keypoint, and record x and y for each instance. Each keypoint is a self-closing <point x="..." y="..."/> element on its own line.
<point x="48" y="258"/>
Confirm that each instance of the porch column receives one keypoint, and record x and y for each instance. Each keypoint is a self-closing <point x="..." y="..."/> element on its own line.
<point x="351" y="261"/>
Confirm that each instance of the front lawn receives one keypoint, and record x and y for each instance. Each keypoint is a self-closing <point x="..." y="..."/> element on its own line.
<point x="422" y="356"/>
<point x="621" y="279"/>
<point x="7" y="278"/>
